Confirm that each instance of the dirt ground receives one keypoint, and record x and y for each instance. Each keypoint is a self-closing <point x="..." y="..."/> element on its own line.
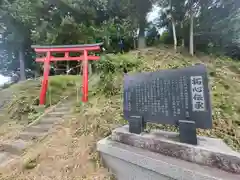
<point x="68" y="153"/>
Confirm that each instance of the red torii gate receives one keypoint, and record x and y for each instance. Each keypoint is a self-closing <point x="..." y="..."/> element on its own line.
<point x="66" y="49"/>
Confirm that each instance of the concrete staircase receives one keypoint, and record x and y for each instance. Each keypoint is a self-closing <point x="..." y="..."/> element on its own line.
<point x="36" y="131"/>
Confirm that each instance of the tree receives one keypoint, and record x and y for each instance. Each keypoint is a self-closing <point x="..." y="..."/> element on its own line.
<point x="174" y="12"/>
<point x="152" y="35"/>
<point x="139" y="13"/>
<point x="212" y="23"/>
<point x="17" y="18"/>
<point x="193" y="9"/>
<point x="217" y="25"/>
<point x="198" y="23"/>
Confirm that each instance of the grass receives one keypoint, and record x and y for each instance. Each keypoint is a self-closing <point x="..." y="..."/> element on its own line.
<point x="30" y="164"/>
<point x="19" y="104"/>
<point x="23" y="98"/>
<point x="70" y="152"/>
<point x="74" y="143"/>
<point x="224" y="85"/>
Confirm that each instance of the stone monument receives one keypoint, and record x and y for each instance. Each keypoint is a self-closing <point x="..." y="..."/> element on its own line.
<point x="176" y="97"/>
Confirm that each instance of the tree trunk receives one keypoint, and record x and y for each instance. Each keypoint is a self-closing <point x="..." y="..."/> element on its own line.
<point x="141" y="36"/>
<point x="141" y="42"/>
<point x="191" y="35"/>
<point x="134" y="33"/>
<point x="108" y="41"/>
<point x="134" y="40"/>
<point x="182" y="31"/>
<point x="68" y="68"/>
<point x="174" y="34"/>
<point x="134" y="43"/>
<point x="170" y="16"/>
<point x="90" y="68"/>
<point x="22" y="65"/>
<point x="37" y="71"/>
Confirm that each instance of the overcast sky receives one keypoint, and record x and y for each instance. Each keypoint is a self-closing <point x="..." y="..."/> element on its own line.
<point x="3" y="79"/>
<point x="153" y="14"/>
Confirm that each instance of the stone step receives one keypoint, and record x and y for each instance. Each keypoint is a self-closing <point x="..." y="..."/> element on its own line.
<point x="40" y="128"/>
<point x="5" y="158"/>
<point x="29" y="136"/>
<point x="49" y="120"/>
<point x="63" y="108"/>
<point x="68" y="117"/>
<point x="57" y="113"/>
<point x="16" y="147"/>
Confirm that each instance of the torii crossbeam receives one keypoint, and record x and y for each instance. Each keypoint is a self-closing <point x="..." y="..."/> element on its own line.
<point x="66" y="49"/>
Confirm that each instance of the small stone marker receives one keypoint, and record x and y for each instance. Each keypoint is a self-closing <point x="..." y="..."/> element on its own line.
<point x="176" y="97"/>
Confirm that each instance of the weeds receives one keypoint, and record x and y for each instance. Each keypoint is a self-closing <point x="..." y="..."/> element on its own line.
<point x="104" y="112"/>
<point x="224" y="85"/>
<point x="30" y="164"/>
<point x="23" y="105"/>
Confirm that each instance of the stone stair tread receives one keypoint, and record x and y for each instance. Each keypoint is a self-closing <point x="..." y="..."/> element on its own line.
<point x="30" y="135"/>
<point x="63" y="108"/>
<point x="5" y="158"/>
<point x="9" y="150"/>
<point x="39" y="128"/>
<point x="16" y="147"/>
<point x="54" y="116"/>
<point x="57" y="113"/>
<point x="68" y="116"/>
<point x="49" y="120"/>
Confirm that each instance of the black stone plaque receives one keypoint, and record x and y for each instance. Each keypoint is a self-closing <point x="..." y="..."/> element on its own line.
<point x="168" y="96"/>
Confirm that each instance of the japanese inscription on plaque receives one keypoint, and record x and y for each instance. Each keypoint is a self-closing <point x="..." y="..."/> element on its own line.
<point x="198" y="102"/>
<point x="168" y="96"/>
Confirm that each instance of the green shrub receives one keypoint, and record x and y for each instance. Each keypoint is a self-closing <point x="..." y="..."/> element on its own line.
<point x="117" y="63"/>
<point x="112" y="69"/>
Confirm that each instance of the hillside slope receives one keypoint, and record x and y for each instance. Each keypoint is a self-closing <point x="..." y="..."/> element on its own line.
<point x="70" y="151"/>
<point x="224" y="76"/>
<point x="19" y="104"/>
<point x="224" y="84"/>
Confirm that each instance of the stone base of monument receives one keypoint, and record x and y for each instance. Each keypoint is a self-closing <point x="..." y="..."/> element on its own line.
<point x="159" y="155"/>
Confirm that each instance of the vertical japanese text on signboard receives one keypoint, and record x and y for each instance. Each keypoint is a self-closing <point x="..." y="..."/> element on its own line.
<point x="198" y="102"/>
